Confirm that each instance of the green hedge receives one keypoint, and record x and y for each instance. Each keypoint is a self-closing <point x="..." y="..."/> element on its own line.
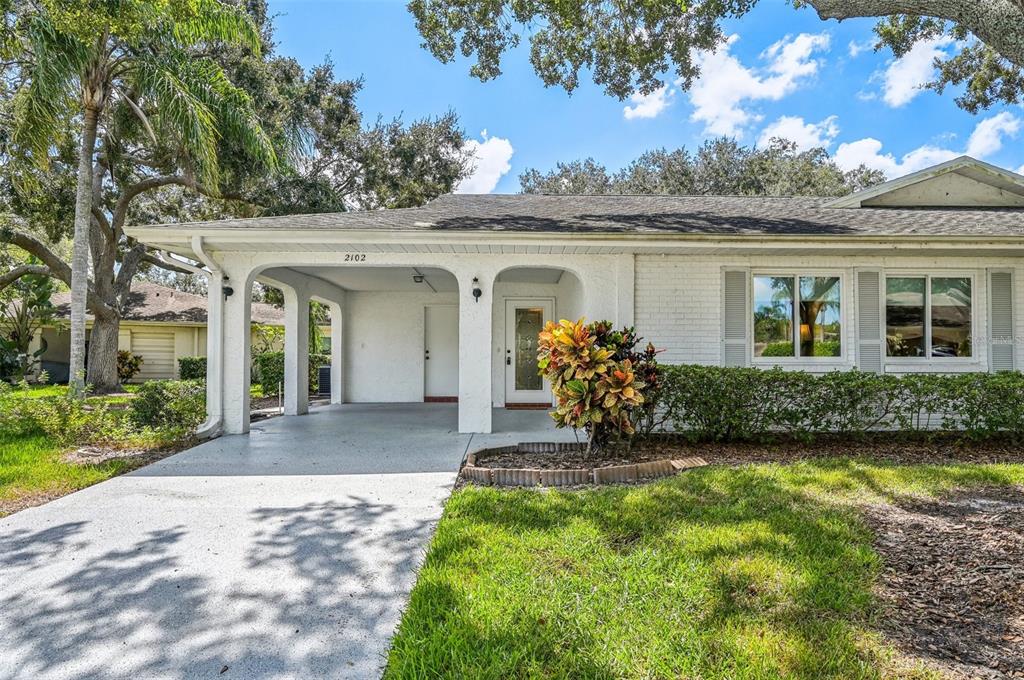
<point x="192" y="368"/>
<point x="269" y="370"/>
<point x="750" y="404"/>
<point x="169" y="405"/>
<point x="66" y="421"/>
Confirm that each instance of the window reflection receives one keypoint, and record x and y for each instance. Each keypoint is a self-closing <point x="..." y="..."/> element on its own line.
<point x="904" y="316"/>
<point x="951" y="316"/>
<point x="773" y="316"/>
<point x="820" y="331"/>
<point x="928" y="316"/>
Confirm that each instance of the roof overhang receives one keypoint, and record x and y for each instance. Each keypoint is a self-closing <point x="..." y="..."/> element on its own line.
<point x="256" y="240"/>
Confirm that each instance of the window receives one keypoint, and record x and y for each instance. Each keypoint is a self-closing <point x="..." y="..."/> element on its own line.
<point x="797" y="316"/>
<point x="928" y="316"/>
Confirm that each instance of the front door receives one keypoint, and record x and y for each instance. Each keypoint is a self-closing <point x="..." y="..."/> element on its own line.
<point x="441" y="353"/>
<point x="524" y="320"/>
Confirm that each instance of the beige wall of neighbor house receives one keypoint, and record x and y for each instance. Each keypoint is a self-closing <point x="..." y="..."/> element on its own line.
<point x="160" y="345"/>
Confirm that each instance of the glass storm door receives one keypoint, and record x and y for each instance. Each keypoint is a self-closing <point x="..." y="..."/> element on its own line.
<point x="524" y="320"/>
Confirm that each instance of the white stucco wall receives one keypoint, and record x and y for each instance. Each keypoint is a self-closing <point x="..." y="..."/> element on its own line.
<point x="679" y="303"/>
<point x="567" y="299"/>
<point x="383" y="343"/>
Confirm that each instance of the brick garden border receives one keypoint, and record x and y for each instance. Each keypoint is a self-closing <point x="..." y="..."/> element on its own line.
<point x="613" y="474"/>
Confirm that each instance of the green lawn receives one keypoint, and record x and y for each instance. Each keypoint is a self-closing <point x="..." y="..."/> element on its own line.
<point x="39" y="391"/>
<point x="755" y="572"/>
<point x="31" y="466"/>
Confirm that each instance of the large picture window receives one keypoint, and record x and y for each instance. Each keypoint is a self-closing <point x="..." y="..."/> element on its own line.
<point x="928" y="316"/>
<point x="797" y="316"/>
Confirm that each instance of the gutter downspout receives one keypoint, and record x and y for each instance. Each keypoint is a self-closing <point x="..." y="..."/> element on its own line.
<point x="211" y="427"/>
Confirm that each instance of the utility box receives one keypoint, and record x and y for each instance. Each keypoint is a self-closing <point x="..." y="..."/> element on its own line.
<point x="324" y="388"/>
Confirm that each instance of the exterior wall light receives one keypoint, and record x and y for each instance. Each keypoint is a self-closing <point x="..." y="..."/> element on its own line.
<point x="228" y="290"/>
<point x="476" y="290"/>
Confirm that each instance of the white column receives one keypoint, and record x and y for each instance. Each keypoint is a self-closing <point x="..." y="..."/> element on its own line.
<point x="337" y="353"/>
<point x="475" y="351"/>
<point x="237" y="351"/>
<point x="296" y="351"/>
<point x="214" y="349"/>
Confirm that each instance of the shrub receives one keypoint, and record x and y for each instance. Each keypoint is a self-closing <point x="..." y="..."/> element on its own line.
<point x="316" y="360"/>
<point x="778" y="349"/>
<point x="192" y="368"/>
<point x="828" y="348"/>
<point x="269" y="370"/>
<point x="128" y="365"/>
<point x="737" y="404"/>
<point x="65" y="420"/>
<point x="594" y="373"/>
<point x="169" y="405"/>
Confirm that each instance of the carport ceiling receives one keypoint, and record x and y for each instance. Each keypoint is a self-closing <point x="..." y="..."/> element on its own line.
<point x="388" y="279"/>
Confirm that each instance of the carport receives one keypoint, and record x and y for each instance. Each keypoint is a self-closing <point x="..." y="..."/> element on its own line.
<point x="417" y="314"/>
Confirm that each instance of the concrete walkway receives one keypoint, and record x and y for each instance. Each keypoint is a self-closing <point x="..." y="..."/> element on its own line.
<point x="288" y="553"/>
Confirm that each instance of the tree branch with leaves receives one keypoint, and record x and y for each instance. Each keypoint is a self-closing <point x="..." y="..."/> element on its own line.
<point x="632" y="47"/>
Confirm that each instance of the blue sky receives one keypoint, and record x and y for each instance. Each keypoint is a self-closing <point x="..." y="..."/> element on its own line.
<point x="783" y="71"/>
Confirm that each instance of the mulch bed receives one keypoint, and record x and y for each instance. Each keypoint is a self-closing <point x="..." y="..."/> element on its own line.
<point x="940" y="449"/>
<point x="94" y="455"/>
<point x="952" y="587"/>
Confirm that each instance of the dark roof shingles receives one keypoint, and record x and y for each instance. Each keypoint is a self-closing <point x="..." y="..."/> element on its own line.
<point x="696" y="215"/>
<point x="152" y="302"/>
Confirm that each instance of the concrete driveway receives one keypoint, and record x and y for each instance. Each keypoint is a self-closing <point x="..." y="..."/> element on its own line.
<point x="288" y="553"/>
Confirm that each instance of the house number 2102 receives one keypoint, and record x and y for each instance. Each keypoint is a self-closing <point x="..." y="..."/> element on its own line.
<point x="355" y="257"/>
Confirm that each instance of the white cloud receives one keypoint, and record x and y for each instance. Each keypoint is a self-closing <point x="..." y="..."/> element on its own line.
<point x="856" y="48"/>
<point x="904" y="77"/>
<point x="648" y="105"/>
<point x="1020" y="170"/>
<point x="725" y="84"/>
<point x="986" y="140"/>
<point x="490" y="160"/>
<point x="868" y="152"/>
<point x="805" y="135"/>
<point x="987" y="137"/>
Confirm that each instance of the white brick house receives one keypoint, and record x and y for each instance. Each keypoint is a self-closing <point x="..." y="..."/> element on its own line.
<point x="443" y="302"/>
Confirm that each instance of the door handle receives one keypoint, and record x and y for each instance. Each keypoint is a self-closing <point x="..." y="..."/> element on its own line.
<point x="508" y="361"/>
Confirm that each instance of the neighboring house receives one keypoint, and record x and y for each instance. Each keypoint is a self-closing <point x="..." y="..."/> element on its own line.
<point x="160" y="324"/>
<point x="920" y="274"/>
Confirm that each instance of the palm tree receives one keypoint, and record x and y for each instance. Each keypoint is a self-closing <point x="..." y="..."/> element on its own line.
<point x="75" y="57"/>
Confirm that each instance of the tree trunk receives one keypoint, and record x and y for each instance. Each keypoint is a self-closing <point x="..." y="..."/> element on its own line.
<point x="103" y="376"/>
<point x="80" y="254"/>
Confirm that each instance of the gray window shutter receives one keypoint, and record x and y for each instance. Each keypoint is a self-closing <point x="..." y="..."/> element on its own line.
<point x="870" y="345"/>
<point x="735" y="346"/>
<point x="1000" y="321"/>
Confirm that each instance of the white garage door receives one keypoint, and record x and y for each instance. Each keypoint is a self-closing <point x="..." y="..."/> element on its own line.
<point x="157" y="351"/>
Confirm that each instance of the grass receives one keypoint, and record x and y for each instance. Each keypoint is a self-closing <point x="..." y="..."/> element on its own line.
<point x="757" y="572"/>
<point x="31" y="466"/>
<point x="41" y="391"/>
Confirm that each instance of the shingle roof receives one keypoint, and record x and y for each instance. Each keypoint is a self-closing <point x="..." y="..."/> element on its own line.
<point x="654" y="215"/>
<point x="153" y="302"/>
